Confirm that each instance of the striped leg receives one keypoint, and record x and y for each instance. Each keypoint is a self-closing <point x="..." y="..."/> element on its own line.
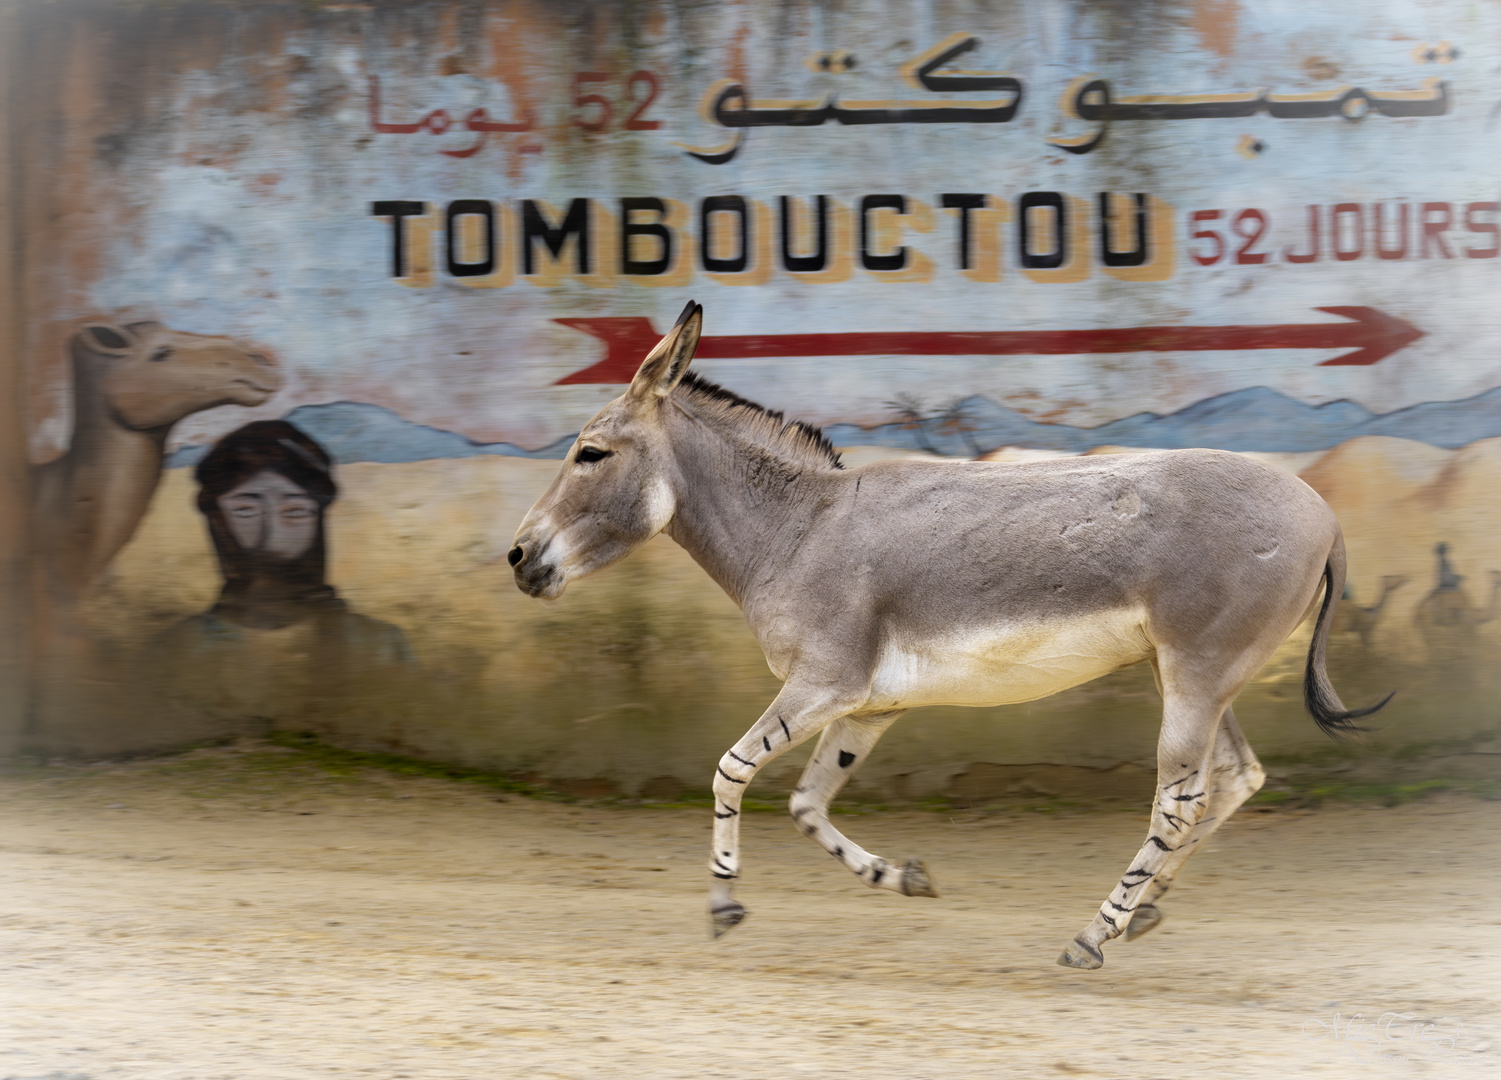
<point x="1184" y="753"/>
<point x="843" y="748"/>
<point x="1235" y="775"/>
<point x="795" y="715"/>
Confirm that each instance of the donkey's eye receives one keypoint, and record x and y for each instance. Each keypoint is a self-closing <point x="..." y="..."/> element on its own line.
<point x="593" y="453"/>
<point x="162" y="353"/>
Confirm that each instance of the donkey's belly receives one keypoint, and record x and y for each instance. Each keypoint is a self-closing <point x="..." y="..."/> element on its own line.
<point x="1006" y="662"/>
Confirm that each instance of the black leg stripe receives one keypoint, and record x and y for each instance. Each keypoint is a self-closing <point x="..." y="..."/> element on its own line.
<point x="724" y="877"/>
<point x="800" y="811"/>
<point x="1159" y="843"/>
<point x="725" y="868"/>
<point x="727" y="776"/>
<point x="742" y="761"/>
<point x="784" y="728"/>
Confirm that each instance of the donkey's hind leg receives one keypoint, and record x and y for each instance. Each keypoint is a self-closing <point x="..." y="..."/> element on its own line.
<point x="1185" y="749"/>
<point x="842" y="749"/>
<point x="1234" y="776"/>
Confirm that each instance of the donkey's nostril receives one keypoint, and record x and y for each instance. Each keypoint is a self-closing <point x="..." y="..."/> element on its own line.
<point x="515" y="555"/>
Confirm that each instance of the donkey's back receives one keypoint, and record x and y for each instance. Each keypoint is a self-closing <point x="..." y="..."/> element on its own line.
<point x="1113" y="523"/>
<point x="985" y="583"/>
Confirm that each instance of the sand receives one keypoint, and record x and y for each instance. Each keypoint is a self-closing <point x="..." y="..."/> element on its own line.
<point x="247" y="914"/>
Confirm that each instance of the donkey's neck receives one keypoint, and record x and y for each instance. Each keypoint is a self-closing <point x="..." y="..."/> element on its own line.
<point x="740" y="504"/>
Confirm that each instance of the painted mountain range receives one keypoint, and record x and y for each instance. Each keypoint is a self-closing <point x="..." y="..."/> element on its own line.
<point x="1253" y="419"/>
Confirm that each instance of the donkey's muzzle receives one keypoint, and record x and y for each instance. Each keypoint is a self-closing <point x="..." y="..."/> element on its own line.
<point x="533" y="577"/>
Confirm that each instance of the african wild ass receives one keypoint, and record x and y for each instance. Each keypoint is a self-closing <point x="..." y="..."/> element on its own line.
<point x="908" y="583"/>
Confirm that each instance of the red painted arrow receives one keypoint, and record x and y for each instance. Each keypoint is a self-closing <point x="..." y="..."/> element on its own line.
<point x="1371" y="337"/>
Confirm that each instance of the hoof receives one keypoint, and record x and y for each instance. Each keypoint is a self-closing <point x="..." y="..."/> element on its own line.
<point x="1080" y="955"/>
<point x="915" y="880"/>
<point x="1148" y="917"/>
<point x="725" y="919"/>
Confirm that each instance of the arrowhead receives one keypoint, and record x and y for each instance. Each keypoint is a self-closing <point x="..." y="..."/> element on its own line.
<point x="1376" y="334"/>
<point x="627" y="341"/>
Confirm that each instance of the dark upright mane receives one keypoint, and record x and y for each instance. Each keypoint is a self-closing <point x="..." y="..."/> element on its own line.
<point x="803" y="440"/>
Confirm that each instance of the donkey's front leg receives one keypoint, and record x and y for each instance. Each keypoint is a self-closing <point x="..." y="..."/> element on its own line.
<point x="796" y="714"/>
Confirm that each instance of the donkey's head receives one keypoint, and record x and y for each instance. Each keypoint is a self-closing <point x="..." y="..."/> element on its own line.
<point x="614" y="493"/>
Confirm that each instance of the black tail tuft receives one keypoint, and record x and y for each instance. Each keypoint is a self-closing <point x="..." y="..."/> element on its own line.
<point x="1318" y="692"/>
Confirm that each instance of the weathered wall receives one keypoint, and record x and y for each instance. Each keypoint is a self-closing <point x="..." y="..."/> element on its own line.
<point x="435" y="238"/>
<point x="14" y="488"/>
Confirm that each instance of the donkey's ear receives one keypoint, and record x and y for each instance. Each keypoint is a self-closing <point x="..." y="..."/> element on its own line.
<point x="666" y="364"/>
<point x="109" y="339"/>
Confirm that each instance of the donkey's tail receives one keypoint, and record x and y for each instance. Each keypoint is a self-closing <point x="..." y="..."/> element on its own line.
<point x="1318" y="692"/>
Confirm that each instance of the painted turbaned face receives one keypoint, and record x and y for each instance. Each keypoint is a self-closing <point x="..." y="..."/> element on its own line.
<point x="271" y="514"/>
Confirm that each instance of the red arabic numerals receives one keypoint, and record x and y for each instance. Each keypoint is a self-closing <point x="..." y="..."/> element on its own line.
<point x="1217" y="251"/>
<point x="653" y="87"/>
<point x="593" y="110"/>
<point x="1249" y="225"/>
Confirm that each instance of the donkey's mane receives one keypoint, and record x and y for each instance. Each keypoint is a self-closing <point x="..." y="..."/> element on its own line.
<point x="802" y="441"/>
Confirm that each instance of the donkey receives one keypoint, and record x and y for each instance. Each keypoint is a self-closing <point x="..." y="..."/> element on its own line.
<point x="949" y="583"/>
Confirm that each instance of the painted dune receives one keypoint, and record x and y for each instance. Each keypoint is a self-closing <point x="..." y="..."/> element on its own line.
<point x="643" y="673"/>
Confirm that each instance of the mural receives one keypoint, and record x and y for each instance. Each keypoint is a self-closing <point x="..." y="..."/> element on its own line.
<point x="263" y="490"/>
<point x="131" y="384"/>
<point x="278" y="640"/>
<point x="994" y="231"/>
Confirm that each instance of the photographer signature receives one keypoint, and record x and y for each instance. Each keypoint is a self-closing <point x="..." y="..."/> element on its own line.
<point x="1394" y="1036"/>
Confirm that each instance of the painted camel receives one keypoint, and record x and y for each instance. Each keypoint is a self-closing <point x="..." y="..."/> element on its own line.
<point x="131" y="383"/>
<point x="1362" y="621"/>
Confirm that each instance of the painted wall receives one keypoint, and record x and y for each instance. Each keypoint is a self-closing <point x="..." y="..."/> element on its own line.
<point x="434" y="239"/>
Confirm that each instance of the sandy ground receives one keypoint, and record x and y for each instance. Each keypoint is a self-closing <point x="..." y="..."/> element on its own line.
<point x="247" y="915"/>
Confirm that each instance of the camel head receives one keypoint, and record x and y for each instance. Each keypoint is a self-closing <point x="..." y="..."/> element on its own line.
<point x="151" y="376"/>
